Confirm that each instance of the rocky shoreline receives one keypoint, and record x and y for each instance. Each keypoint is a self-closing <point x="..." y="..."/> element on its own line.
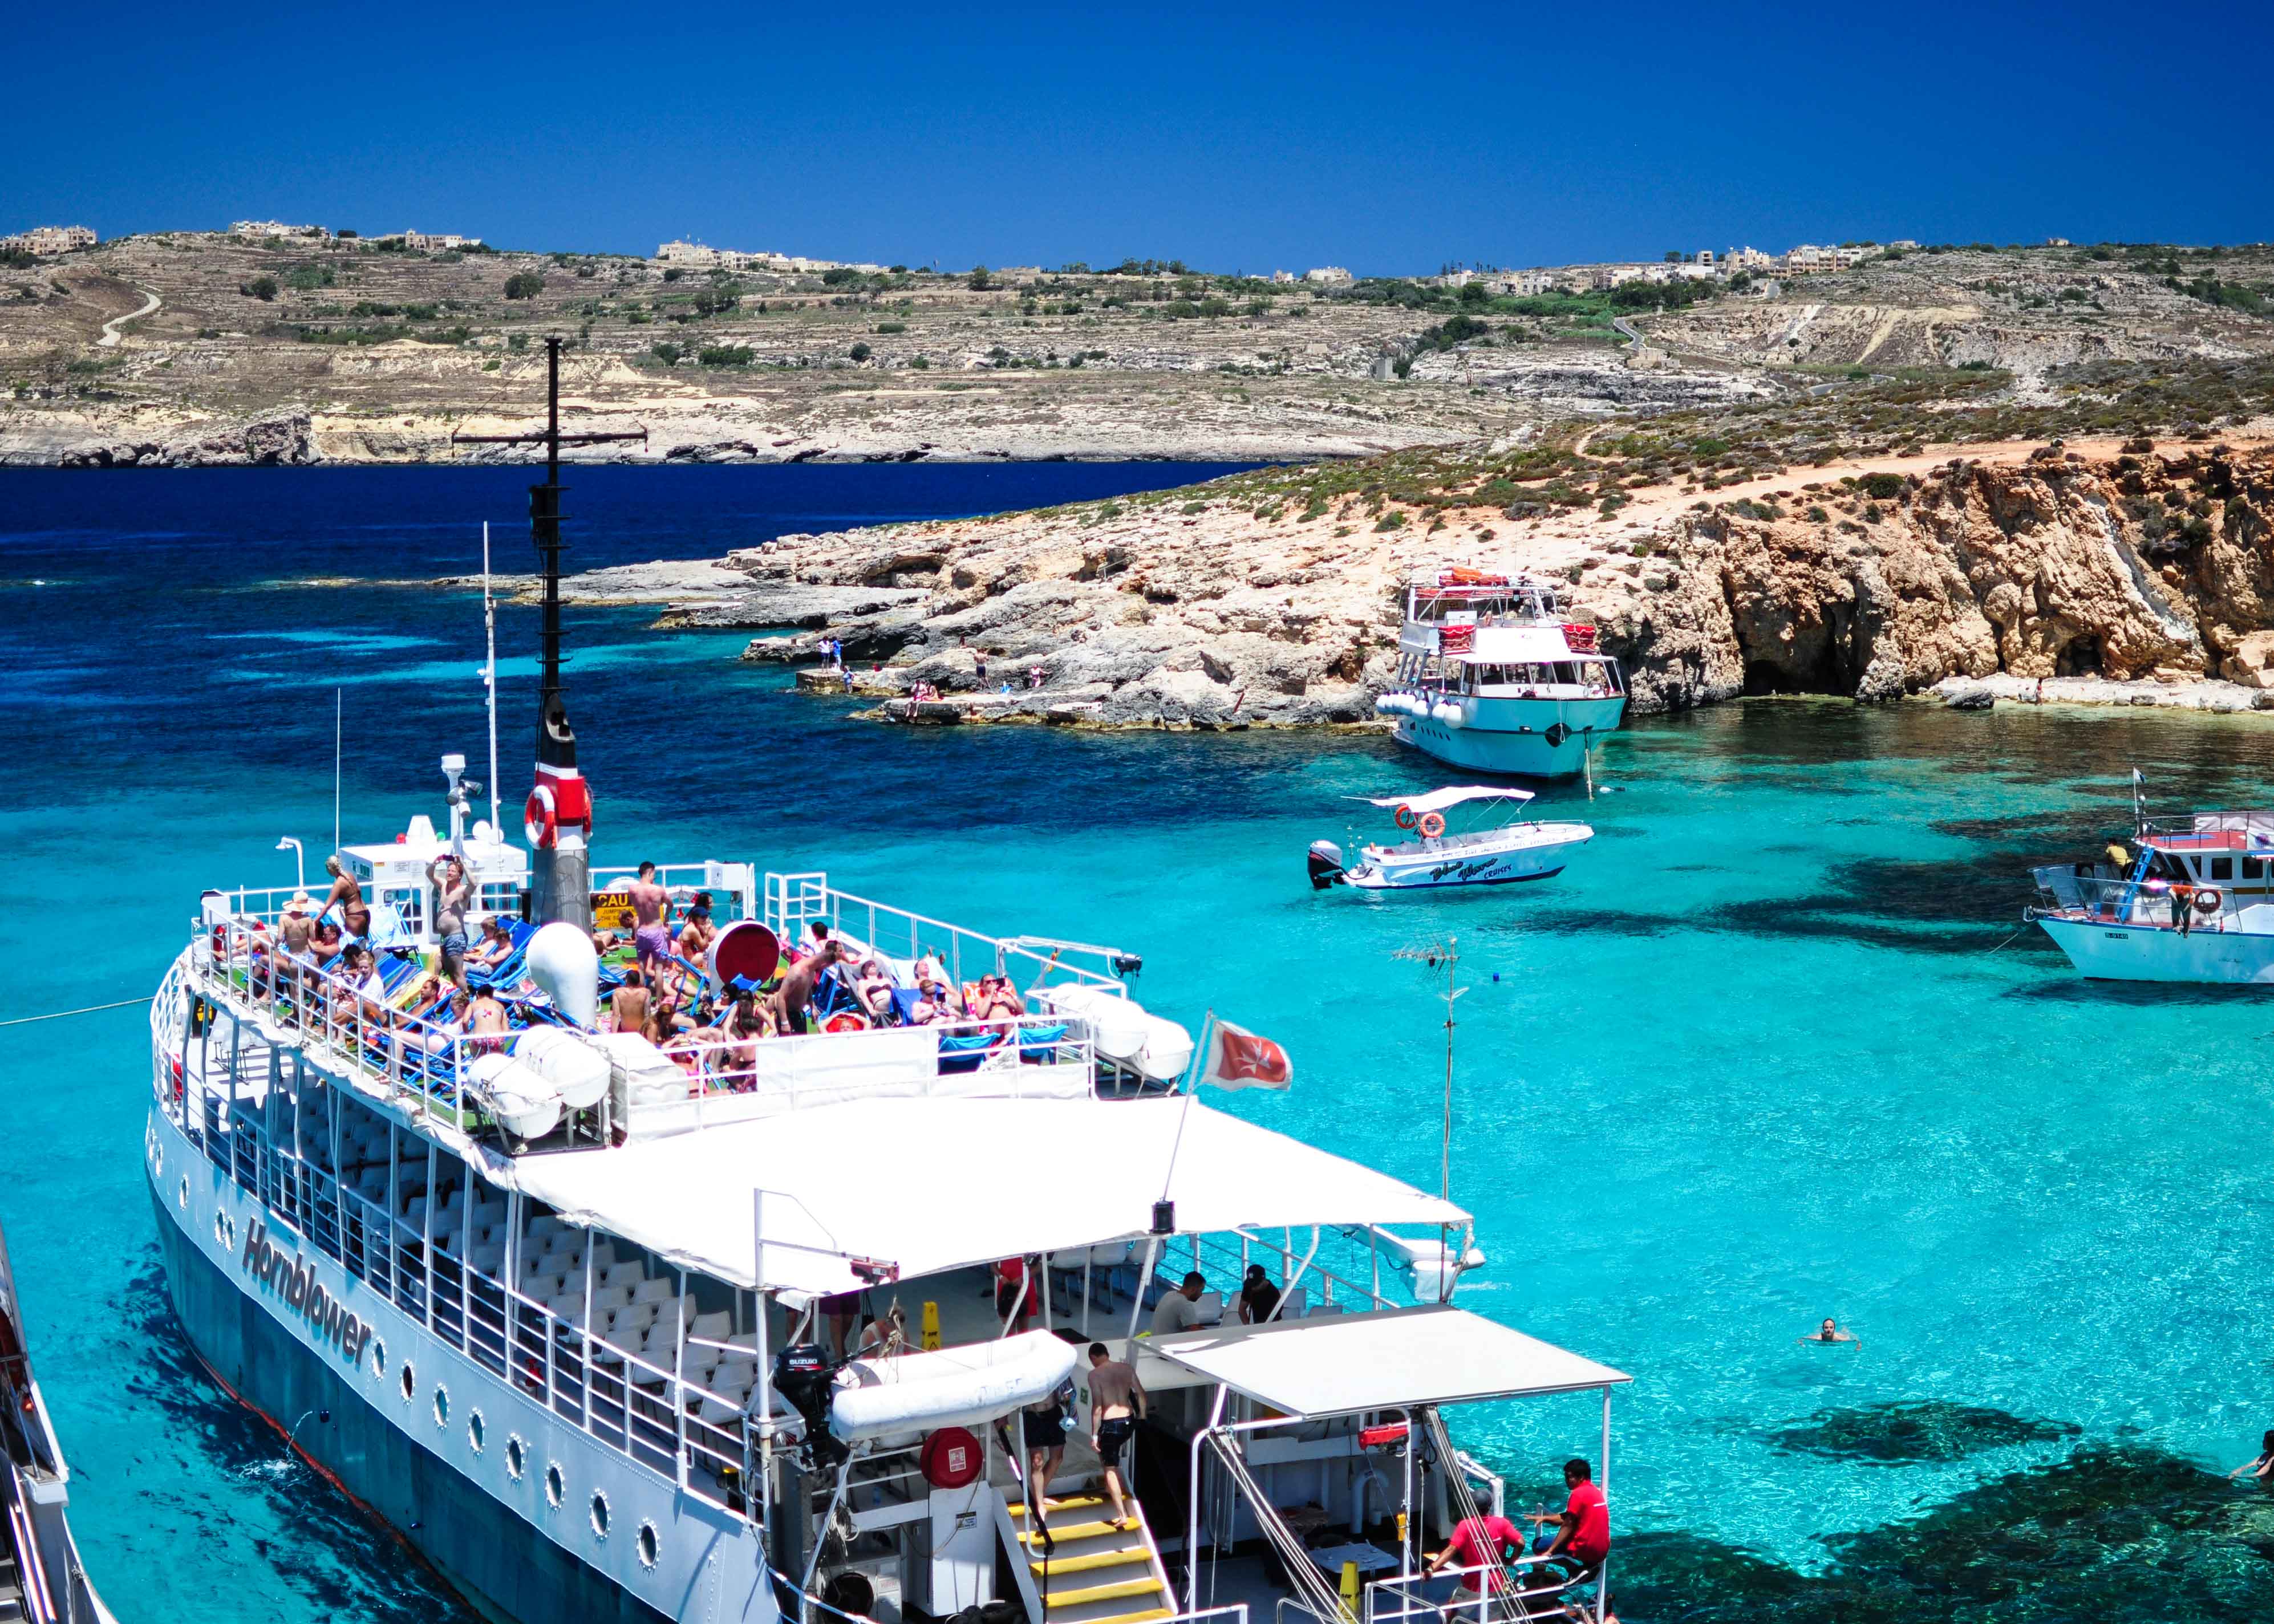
<point x="2116" y="575"/>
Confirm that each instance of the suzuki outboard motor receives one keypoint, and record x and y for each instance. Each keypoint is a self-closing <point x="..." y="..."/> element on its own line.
<point x="1326" y="864"/>
<point x="805" y="1376"/>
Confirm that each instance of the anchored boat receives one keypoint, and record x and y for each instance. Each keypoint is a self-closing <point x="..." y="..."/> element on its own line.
<point x="2191" y="900"/>
<point x="41" y="1579"/>
<point x="1498" y="853"/>
<point x="1492" y="676"/>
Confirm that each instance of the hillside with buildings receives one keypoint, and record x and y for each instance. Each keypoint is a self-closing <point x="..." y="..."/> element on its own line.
<point x="280" y="342"/>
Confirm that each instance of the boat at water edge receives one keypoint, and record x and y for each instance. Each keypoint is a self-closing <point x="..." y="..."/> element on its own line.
<point x="1492" y="677"/>
<point x="2193" y="900"/>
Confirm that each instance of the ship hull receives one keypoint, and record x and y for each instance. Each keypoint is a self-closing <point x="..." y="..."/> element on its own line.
<point x="1516" y="738"/>
<point x="2104" y="949"/>
<point x="502" y="1566"/>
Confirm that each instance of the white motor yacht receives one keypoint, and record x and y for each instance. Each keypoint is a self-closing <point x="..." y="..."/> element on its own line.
<point x="2193" y="900"/>
<point x="1491" y="676"/>
<point x="1500" y="851"/>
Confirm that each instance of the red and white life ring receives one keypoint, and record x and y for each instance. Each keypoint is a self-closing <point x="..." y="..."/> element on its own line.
<point x="1404" y="817"/>
<point x="2207" y="900"/>
<point x="1433" y="825"/>
<point x="539" y="819"/>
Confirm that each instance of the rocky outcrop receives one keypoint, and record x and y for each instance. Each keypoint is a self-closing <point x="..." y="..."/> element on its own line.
<point x="277" y="439"/>
<point x="2141" y="566"/>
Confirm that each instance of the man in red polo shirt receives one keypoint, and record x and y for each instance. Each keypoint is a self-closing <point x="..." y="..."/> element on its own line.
<point x="1584" y="1539"/>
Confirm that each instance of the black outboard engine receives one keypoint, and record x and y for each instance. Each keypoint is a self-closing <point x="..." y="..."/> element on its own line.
<point x="805" y="1376"/>
<point x="1326" y="864"/>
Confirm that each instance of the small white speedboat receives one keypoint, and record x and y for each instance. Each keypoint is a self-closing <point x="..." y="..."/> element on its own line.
<point x="1436" y="855"/>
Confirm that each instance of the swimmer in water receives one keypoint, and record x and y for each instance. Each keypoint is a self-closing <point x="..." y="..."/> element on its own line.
<point x="1829" y="1332"/>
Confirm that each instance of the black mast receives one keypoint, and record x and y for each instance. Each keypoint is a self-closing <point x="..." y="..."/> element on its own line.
<point x="559" y="812"/>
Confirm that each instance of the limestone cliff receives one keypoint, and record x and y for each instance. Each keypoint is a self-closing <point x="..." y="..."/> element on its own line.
<point x="1872" y="580"/>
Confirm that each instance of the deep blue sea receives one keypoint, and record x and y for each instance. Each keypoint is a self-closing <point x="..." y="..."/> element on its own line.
<point x="1770" y="1049"/>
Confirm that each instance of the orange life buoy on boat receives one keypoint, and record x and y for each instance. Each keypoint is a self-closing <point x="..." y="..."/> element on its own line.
<point x="1433" y="825"/>
<point x="1404" y="817"/>
<point x="2207" y="900"/>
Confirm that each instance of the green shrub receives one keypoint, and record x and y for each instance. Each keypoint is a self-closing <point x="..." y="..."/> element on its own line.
<point x="667" y="353"/>
<point x="859" y="352"/>
<point x="672" y="274"/>
<point x="725" y="355"/>
<point x="920" y="363"/>
<point x="979" y="281"/>
<point x="308" y="278"/>
<point x="1884" y="486"/>
<point x="263" y="288"/>
<point x="1391" y="521"/>
<point x="891" y="327"/>
<point x="525" y="285"/>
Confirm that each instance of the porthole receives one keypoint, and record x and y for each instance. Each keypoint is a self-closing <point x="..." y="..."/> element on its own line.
<point x="649" y="1547"/>
<point x="409" y="1381"/>
<point x="556" y="1490"/>
<point x="182" y="1195"/>
<point x="517" y="1456"/>
<point x="474" y="1431"/>
<point x="225" y="1231"/>
<point x="157" y="1158"/>
<point x="441" y="1406"/>
<point x="599" y="1515"/>
<point x="378" y="1357"/>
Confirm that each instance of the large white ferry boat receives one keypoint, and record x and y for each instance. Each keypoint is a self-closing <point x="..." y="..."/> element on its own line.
<point x="40" y="1578"/>
<point x="1492" y="676"/>
<point x="2191" y="900"/>
<point x="579" y="1311"/>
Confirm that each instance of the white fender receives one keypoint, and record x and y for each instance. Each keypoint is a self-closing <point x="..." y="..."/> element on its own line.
<point x="955" y="1387"/>
<point x="1151" y="1045"/>
<point x="576" y="1070"/>
<point x="1448" y="711"/>
<point x="561" y="961"/>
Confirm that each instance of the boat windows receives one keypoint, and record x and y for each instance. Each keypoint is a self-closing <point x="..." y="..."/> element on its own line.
<point x="600" y="1513"/>
<point x="2222" y="867"/>
<point x="2254" y="868"/>
<point x="475" y="1431"/>
<point x="651" y="1548"/>
<point x="516" y="1457"/>
<point x="410" y="904"/>
<point x="409" y="1381"/>
<point x="556" y="1488"/>
<point x="378" y="1357"/>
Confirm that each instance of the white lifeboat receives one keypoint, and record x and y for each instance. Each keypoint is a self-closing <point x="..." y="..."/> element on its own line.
<point x="524" y="1102"/>
<point x="954" y="1387"/>
<point x="1435" y="1266"/>
<point x="1152" y="1046"/>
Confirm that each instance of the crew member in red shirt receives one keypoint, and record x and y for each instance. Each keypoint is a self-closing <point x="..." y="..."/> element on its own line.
<point x="1478" y="1542"/>
<point x="1584" y="1539"/>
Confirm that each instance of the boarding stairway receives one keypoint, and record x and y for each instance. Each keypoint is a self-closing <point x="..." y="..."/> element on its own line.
<point x="1093" y="1573"/>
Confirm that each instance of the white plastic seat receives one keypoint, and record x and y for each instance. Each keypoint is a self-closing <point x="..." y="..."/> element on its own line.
<point x="604" y="1257"/>
<point x="1295" y="1304"/>
<point x="1324" y="1308"/>
<point x="629" y="1275"/>
<point x="540" y="1228"/>
<point x="1209" y="1308"/>
<point x="711" y="1328"/>
<point x="610" y="1298"/>
<point x="488" y="1256"/>
<point x="654" y="1291"/>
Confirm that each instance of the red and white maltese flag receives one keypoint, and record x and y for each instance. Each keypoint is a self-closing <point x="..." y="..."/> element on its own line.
<point x="1239" y="1059"/>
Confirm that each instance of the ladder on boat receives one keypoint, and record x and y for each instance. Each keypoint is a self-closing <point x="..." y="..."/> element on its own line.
<point x="1095" y="1573"/>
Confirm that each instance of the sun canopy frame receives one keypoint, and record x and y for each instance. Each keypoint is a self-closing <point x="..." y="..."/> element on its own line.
<point x="1440" y="800"/>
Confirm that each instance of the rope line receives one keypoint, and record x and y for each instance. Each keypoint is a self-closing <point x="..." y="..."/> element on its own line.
<point x="22" y="1021"/>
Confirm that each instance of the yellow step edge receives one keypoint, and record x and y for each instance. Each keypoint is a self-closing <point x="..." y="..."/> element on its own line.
<point x="1095" y="1560"/>
<point x="1145" y="1586"/>
<point x="1070" y="1530"/>
<point x="1147" y="1617"/>
<point x="1072" y="1502"/>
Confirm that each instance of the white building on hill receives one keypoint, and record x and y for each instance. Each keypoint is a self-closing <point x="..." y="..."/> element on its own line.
<point x="48" y="240"/>
<point x="1327" y="275"/>
<point x="275" y="227"/>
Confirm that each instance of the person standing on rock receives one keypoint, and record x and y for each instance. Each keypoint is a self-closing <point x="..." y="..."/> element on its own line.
<point x="979" y="666"/>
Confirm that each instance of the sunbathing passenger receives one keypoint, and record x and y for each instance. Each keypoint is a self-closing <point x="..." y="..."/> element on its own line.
<point x="628" y="1004"/>
<point x="495" y="946"/>
<point x="347" y="896"/>
<point x="936" y="1002"/>
<point x="696" y="934"/>
<point x="326" y="941"/>
<point x="486" y="1021"/>
<point x="998" y="1000"/>
<point x="872" y="988"/>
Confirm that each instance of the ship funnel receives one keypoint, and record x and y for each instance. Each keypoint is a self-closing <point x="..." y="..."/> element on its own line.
<point x="561" y="961"/>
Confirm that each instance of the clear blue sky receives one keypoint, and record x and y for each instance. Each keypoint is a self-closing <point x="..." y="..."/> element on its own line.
<point x="1389" y="138"/>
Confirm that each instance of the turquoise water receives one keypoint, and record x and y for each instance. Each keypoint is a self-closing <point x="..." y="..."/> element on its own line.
<point x="1769" y="1049"/>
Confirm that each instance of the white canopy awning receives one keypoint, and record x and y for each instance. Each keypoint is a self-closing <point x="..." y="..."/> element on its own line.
<point x="1438" y="800"/>
<point x="1350" y="1363"/>
<point x="931" y="1184"/>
